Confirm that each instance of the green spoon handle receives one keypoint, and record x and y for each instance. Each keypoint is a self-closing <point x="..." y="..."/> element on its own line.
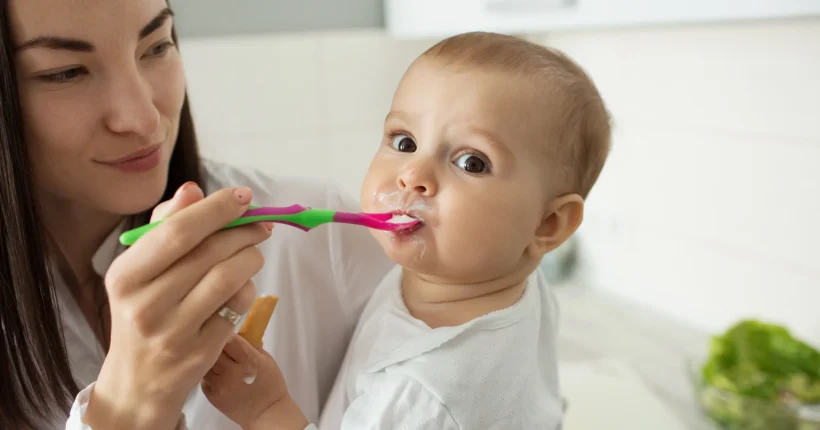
<point x="306" y="220"/>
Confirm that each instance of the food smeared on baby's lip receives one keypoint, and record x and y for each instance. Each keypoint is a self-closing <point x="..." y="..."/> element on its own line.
<point x="402" y="218"/>
<point x="413" y="223"/>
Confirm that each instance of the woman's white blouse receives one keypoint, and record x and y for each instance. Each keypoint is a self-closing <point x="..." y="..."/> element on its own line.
<point x="323" y="279"/>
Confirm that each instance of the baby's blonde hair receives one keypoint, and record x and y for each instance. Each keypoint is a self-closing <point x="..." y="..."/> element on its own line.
<point x="583" y="124"/>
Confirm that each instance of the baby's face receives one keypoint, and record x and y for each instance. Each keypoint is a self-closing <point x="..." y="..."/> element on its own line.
<point x="461" y="153"/>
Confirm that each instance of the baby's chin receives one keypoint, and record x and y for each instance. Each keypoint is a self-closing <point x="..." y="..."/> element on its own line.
<point x="420" y="257"/>
<point x="407" y="250"/>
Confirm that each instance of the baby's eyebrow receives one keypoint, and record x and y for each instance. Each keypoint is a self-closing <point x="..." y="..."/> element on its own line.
<point x="491" y="138"/>
<point x="402" y="115"/>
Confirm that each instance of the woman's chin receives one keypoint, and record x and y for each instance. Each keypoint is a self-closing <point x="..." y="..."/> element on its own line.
<point x="137" y="202"/>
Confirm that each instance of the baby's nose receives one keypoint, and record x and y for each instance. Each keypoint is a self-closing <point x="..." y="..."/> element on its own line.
<point x="418" y="180"/>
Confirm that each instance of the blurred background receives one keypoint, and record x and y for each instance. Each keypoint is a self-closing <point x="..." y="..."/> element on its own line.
<point x="707" y="213"/>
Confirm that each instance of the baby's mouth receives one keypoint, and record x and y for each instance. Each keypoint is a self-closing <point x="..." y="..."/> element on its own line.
<point x="401" y="217"/>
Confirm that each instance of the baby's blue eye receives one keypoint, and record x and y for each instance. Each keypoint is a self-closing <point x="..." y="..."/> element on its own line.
<point x="403" y="143"/>
<point x="472" y="163"/>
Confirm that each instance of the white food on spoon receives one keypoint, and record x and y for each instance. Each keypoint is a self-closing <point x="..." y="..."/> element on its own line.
<point x="401" y="219"/>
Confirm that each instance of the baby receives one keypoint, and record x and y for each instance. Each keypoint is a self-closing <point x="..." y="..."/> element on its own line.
<point x="493" y="143"/>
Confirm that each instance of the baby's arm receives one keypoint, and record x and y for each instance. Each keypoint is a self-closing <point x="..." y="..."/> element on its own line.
<point x="396" y="401"/>
<point x="248" y="387"/>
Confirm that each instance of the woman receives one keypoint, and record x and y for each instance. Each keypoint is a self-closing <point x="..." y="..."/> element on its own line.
<point x="95" y="130"/>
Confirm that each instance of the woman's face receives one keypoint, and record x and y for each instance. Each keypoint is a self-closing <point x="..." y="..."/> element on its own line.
<point x="101" y="90"/>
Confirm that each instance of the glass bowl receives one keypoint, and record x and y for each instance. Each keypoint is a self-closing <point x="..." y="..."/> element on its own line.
<point x="732" y="411"/>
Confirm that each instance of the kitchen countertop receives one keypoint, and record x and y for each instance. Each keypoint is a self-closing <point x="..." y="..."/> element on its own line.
<point x="599" y="325"/>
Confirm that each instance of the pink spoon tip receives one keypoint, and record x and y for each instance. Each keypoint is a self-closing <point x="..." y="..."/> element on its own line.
<point x="404" y="225"/>
<point x="381" y="216"/>
<point x="369" y="221"/>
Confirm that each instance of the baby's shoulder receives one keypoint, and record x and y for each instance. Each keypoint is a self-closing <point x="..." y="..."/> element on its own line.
<point x="513" y="350"/>
<point x="491" y="379"/>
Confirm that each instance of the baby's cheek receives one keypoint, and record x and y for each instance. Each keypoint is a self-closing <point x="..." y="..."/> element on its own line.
<point x="498" y="237"/>
<point x="475" y="257"/>
<point x="470" y="235"/>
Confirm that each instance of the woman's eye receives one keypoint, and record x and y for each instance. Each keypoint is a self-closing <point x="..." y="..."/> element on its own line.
<point x="64" y="76"/>
<point x="160" y="49"/>
<point x="472" y="163"/>
<point x="403" y="143"/>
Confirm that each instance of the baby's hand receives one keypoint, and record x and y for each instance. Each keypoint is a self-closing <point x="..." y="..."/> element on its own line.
<point x="244" y="383"/>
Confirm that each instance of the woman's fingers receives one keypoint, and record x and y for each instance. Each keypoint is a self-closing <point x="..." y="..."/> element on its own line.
<point x="175" y="237"/>
<point x="227" y="283"/>
<point x="168" y="290"/>
<point x="216" y="330"/>
<point x="188" y="194"/>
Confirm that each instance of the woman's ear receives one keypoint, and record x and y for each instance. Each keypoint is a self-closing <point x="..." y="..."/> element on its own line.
<point x="562" y="218"/>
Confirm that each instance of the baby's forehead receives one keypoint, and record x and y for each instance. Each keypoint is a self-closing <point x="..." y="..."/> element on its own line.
<point x="479" y="86"/>
<point x="489" y="97"/>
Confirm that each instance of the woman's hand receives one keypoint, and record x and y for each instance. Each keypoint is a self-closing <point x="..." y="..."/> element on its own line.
<point x="165" y="292"/>
<point x="248" y="387"/>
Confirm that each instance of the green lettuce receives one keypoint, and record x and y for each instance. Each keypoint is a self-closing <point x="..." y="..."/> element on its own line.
<point x="766" y="372"/>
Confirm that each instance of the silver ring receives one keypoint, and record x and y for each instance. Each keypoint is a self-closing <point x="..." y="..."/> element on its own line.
<point x="230" y="315"/>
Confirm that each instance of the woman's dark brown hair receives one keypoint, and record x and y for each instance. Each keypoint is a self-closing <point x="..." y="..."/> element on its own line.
<point x="35" y="376"/>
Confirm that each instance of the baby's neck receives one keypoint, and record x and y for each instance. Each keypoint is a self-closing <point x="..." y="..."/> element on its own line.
<point x="441" y="304"/>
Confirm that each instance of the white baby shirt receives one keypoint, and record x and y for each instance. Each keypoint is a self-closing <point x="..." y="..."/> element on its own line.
<point x="498" y="371"/>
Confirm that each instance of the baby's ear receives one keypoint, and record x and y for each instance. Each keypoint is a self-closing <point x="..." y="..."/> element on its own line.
<point x="562" y="218"/>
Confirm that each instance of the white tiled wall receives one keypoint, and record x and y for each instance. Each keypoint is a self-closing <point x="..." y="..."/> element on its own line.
<point x="309" y="104"/>
<point x="708" y="210"/>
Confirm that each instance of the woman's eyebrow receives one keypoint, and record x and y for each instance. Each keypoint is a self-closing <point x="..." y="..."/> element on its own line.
<point x="156" y="23"/>
<point x="56" y="42"/>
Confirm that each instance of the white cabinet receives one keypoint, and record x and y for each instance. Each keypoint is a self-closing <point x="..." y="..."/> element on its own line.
<point x="441" y="18"/>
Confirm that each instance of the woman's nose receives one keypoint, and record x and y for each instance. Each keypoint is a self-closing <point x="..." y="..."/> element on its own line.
<point x="132" y="108"/>
<point x="419" y="179"/>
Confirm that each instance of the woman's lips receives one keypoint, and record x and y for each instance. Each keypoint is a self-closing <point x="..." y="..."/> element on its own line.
<point x="138" y="161"/>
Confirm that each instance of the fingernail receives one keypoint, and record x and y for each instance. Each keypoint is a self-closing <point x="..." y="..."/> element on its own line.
<point x="184" y="187"/>
<point x="268" y="225"/>
<point x="243" y="195"/>
<point x="249" y="379"/>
